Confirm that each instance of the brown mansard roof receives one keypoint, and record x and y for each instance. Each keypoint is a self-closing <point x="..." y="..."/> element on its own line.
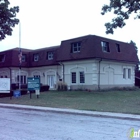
<point x="90" y="49"/>
<point x="43" y="61"/>
<point x="11" y="58"/>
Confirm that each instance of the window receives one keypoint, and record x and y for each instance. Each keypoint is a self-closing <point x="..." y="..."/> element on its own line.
<point x="118" y="47"/>
<point x="73" y="77"/>
<point x="129" y="73"/>
<point x="50" y="55"/>
<point x="2" y="58"/>
<point x="36" y="57"/>
<point x="82" y="77"/>
<point x="76" y="47"/>
<point x="105" y="46"/>
<point x="124" y="73"/>
<point x="23" y="57"/>
<point x="22" y="79"/>
<point x="36" y="76"/>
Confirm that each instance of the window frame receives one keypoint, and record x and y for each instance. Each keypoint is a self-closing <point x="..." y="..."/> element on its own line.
<point x="36" y="57"/>
<point x="124" y="73"/>
<point x="73" y="77"/>
<point x="24" y="57"/>
<point x="50" y="55"/>
<point x="81" y="77"/>
<point x="76" y="47"/>
<point x="118" y="47"/>
<point x="105" y="46"/>
<point x="36" y="76"/>
<point x="2" y="58"/>
<point x="23" y="79"/>
<point x="129" y="73"/>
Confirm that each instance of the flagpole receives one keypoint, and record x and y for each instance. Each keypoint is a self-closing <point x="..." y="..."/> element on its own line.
<point x="19" y="52"/>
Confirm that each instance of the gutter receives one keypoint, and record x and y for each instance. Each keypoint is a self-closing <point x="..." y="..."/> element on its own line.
<point x="99" y="75"/>
<point x="10" y="78"/>
<point x="63" y="68"/>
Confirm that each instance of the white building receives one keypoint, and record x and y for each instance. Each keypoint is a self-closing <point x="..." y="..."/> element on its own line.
<point x="88" y="62"/>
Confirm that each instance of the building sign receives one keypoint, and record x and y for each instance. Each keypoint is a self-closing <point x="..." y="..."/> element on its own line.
<point x="17" y="93"/>
<point x="33" y="83"/>
<point x="4" y="85"/>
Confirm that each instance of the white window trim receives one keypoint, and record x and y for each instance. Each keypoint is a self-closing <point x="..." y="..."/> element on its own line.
<point x="3" y="59"/>
<point x="23" y="58"/>
<point x="77" y="47"/>
<point x="36" y="57"/>
<point x="126" y="73"/>
<point x="75" y="78"/>
<point x="80" y="77"/>
<point x="105" y="46"/>
<point x="78" y="82"/>
<point x="50" y="55"/>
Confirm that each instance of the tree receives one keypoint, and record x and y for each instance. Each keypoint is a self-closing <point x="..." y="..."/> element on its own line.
<point x="136" y="48"/>
<point x="8" y="18"/>
<point x="122" y="9"/>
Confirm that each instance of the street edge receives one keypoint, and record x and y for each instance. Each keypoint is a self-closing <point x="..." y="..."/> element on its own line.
<point x="73" y="111"/>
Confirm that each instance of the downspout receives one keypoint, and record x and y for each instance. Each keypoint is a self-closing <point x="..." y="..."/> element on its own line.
<point x="62" y="70"/>
<point x="99" y="75"/>
<point x="10" y="77"/>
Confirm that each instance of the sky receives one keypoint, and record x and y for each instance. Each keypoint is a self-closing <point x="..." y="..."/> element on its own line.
<point x="46" y="23"/>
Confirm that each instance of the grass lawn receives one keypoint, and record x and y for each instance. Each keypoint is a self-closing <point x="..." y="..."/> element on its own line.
<point x="110" y="101"/>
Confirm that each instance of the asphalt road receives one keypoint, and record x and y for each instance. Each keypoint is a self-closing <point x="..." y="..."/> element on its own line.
<point x="36" y="125"/>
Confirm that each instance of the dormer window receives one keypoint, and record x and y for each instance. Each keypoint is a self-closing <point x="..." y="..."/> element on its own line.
<point x="118" y="47"/>
<point x="50" y="55"/>
<point x="23" y="57"/>
<point x="36" y="57"/>
<point x="2" y="58"/>
<point x="76" y="47"/>
<point x="105" y="46"/>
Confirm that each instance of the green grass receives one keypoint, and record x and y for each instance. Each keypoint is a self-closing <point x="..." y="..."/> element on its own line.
<point x="110" y="101"/>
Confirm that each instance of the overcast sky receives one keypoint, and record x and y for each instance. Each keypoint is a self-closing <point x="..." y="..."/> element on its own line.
<point x="46" y="23"/>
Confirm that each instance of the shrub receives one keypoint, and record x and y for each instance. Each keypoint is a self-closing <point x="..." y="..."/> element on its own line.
<point x="44" y="88"/>
<point x="62" y="86"/>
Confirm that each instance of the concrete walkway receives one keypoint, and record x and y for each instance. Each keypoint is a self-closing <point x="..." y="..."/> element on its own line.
<point x="73" y="111"/>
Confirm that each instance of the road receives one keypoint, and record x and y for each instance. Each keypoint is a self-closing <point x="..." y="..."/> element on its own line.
<point x="36" y="125"/>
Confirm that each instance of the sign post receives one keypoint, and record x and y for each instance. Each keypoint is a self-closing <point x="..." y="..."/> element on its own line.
<point x="34" y="85"/>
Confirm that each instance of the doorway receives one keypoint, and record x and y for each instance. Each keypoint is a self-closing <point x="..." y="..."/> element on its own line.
<point x="50" y="80"/>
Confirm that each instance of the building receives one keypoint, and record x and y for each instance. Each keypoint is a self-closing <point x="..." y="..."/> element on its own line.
<point x="87" y="62"/>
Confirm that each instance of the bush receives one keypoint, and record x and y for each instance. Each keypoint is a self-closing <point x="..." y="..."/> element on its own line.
<point x="61" y="86"/>
<point x="14" y="86"/>
<point x="24" y="87"/>
<point x="44" y="88"/>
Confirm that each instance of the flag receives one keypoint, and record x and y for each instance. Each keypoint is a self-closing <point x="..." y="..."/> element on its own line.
<point x="20" y="57"/>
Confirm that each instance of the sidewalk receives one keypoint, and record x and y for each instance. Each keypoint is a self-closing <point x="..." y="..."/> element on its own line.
<point x="73" y="111"/>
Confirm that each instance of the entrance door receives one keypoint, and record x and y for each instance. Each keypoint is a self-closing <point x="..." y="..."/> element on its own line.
<point x="50" y="80"/>
<point x="110" y="76"/>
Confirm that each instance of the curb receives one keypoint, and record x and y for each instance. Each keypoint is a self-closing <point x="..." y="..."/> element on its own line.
<point x="74" y="112"/>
